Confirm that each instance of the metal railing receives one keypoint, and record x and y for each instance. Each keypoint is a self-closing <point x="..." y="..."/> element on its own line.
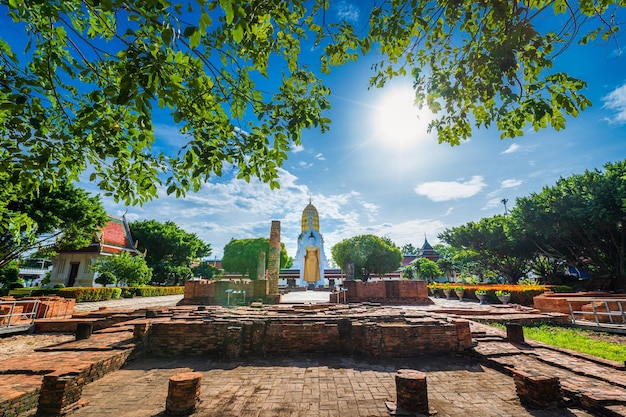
<point x="615" y="317"/>
<point x="18" y="315"/>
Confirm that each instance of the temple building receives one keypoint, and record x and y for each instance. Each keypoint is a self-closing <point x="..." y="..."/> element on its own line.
<point x="310" y="259"/>
<point x="73" y="268"/>
<point x="428" y="252"/>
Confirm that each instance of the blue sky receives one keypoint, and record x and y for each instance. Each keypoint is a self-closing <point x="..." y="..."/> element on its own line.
<point x="377" y="171"/>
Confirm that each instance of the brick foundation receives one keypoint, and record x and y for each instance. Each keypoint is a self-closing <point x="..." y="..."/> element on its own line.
<point x="550" y="302"/>
<point x="411" y="391"/>
<point x="538" y="391"/>
<point x="244" y="338"/>
<point x="183" y="393"/>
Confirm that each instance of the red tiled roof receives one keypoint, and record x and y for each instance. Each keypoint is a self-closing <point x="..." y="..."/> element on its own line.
<point x="114" y="237"/>
<point x="114" y="234"/>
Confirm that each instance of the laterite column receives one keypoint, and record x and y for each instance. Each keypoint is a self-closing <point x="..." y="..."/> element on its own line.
<point x="411" y="391"/>
<point x="183" y="393"/>
<point x="273" y="267"/>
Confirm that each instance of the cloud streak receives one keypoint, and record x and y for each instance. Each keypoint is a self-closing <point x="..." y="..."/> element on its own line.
<point x="615" y="102"/>
<point x="451" y="190"/>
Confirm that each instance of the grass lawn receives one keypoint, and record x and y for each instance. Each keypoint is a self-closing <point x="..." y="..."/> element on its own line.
<point x="602" y="345"/>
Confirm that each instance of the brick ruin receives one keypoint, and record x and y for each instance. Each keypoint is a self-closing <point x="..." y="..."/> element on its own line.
<point x="394" y="292"/>
<point x="351" y="330"/>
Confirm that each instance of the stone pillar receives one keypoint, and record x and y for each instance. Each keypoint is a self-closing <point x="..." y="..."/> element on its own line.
<point x="411" y="391"/>
<point x="84" y="330"/>
<point x="183" y="393"/>
<point x="273" y="267"/>
<point x="515" y="333"/>
<point x="260" y="266"/>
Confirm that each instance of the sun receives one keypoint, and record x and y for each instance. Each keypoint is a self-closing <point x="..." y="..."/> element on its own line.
<point x="399" y="122"/>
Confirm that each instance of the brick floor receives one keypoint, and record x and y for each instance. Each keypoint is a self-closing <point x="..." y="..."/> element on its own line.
<point x="307" y="386"/>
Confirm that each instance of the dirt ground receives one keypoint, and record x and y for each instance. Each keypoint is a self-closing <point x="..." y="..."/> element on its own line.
<point x="24" y="344"/>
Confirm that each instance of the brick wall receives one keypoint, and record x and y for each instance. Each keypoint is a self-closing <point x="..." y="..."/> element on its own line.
<point x="388" y="292"/>
<point x="206" y="292"/>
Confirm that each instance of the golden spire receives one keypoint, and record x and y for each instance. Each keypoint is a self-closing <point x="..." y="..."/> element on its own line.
<point x="310" y="218"/>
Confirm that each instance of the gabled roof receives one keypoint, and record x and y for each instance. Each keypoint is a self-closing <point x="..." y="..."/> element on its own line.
<point x="113" y="238"/>
<point x="428" y="252"/>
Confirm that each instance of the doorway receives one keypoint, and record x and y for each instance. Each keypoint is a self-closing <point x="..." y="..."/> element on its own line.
<point x="71" y="279"/>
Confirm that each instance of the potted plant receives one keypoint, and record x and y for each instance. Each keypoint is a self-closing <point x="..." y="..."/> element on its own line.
<point x="504" y="296"/>
<point x="447" y="290"/>
<point x="481" y="294"/>
<point x="459" y="292"/>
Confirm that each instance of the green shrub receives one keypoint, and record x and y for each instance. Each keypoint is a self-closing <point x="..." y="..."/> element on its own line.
<point x="58" y="286"/>
<point x="106" y="278"/>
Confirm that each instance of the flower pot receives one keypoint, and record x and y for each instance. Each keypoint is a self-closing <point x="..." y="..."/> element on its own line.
<point x="448" y="293"/>
<point x="504" y="299"/>
<point x="481" y="298"/>
<point x="459" y="294"/>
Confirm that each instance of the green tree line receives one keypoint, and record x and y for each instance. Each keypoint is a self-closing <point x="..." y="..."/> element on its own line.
<point x="579" y="221"/>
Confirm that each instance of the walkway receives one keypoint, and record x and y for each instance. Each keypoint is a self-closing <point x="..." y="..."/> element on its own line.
<point x="132" y="303"/>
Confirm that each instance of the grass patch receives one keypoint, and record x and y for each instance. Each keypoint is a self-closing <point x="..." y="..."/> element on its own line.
<point x="599" y="344"/>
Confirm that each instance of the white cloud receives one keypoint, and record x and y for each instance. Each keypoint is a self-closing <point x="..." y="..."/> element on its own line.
<point x="615" y="102"/>
<point x="511" y="183"/>
<point x="320" y="156"/>
<point x="451" y="190"/>
<point x="170" y="135"/>
<point x="491" y="204"/>
<point x="347" y="11"/>
<point x="297" y="148"/>
<point x="305" y="165"/>
<point x="511" y="149"/>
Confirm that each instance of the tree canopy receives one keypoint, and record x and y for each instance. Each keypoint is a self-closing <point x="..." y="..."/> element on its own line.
<point x="127" y="269"/>
<point x="498" y="249"/>
<point x="82" y="83"/>
<point x="242" y="256"/>
<point x="62" y="217"/>
<point x="580" y="220"/>
<point x="370" y="255"/>
<point x="425" y="268"/>
<point x="169" y="249"/>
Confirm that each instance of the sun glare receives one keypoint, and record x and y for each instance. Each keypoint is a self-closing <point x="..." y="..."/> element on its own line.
<point x="399" y="122"/>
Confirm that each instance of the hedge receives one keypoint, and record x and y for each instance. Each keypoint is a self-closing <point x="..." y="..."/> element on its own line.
<point x="82" y="294"/>
<point x="520" y="294"/>
<point x="151" y="291"/>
